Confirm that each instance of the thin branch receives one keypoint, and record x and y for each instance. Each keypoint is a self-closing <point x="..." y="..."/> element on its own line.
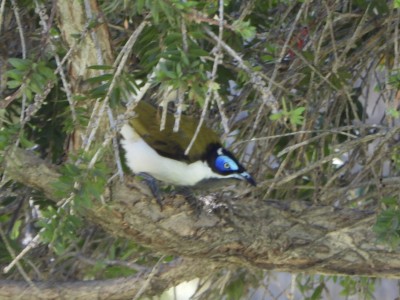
<point x="2" y="6"/>
<point x="114" y="129"/>
<point x="346" y="147"/>
<point x="127" y="264"/>
<point x="255" y="76"/>
<point x="181" y="92"/>
<point x="224" y="118"/>
<point x="267" y="98"/>
<point x="178" y="112"/>
<point x="126" y="51"/>
<point x="23" y="48"/>
<point x="396" y="47"/>
<point x="40" y="9"/>
<point x="16" y="260"/>
<point x="20" y="28"/>
<point x="32" y="244"/>
<point x="150" y="277"/>
<point x="211" y="87"/>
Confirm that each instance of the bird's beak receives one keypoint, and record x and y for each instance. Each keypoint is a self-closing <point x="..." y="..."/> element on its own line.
<point x="246" y="176"/>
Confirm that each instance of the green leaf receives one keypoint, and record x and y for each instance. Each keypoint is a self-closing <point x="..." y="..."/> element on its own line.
<point x="296" y="117"/>
<point x="393" y="112"/>
<point x="236" y="289"/>
<point x="318" y="292"/>
<point x="140" y="6"/>
<point x="101" y="67"/>
<point x="275" y="116"/>
<point x="244" y="28"/>
<point x="46" y="72"/>
<point x="100" y="78"/>
<point x="118" y="272"/>
<point x="20" y="64"/>
<point x="15" y="232"/>
<point x="15" y="74"/>
<point x="36" y="84"/>
<point x="13" y="84"/>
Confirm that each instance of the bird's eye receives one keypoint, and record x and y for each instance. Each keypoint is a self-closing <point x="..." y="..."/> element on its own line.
<point x="224" y="163"/>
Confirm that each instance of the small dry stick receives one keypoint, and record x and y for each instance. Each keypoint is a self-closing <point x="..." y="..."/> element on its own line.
<point x="32" y="244"/>
<point x="127" y="49"/>
<point x="149" y="278"/>
<point x="217" y="58"/>
<point x="43" y="17"/>
<point x="2" y="6"/>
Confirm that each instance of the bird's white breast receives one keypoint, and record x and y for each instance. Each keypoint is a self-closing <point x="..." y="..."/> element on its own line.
<point x="140" y="157"/>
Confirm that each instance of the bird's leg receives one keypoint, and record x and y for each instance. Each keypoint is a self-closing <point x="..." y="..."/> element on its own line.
<point x="191" y="198"/>
<point x="153" y="186"/>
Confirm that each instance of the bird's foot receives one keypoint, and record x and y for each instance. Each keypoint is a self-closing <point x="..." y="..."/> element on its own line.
<point x="153" y="186"/>
<point x="191" y="199"/>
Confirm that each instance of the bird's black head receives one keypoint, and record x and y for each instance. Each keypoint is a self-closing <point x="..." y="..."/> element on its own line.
<point x="224" y="163"/>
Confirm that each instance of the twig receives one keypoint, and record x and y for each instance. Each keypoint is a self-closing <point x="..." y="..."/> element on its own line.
<point x="126" y="51"/>
<point x="332" y="36"/>
<point x="126" y="264"/>
<point x="39" y="99"/>
<point x="181" y="98"/>
<point x="23" y="49"/>
<point x="224" y="118"/>
<point x="345" y="148"/>
<point x="358" y="32"/>
<point x="20" y="28"/>
<point x="178" y="112"/>
<point x="185" y="44"/>
<point x="149" y="278"/>
<point x="275" y="72"/>
<point x="117" y="155"/>
<point x="293" y="286"/>
<point x="32" y="244"/>
<point x="217" y="58"/>
<point x="2" y="6"/>
<point x="164" y="105"/>
<point x="340" y="130"/>
<point x="255" y="76"/>
<point x="16" y="261"/>
<point x="396" y="41"/>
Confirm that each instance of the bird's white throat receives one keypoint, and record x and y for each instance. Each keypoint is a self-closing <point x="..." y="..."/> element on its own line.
<point x="140" y="157"/>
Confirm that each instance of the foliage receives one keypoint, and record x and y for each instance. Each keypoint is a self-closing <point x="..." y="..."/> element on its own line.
<point x="316" y="287"/>
<point x="387" y="225"/>
<point x="31" y="76"/>
<point x="294" y="116"/>
<point x="86" y="184"/>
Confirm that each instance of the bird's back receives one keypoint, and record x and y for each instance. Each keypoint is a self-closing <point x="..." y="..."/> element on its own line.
<point x="168" y="143"/>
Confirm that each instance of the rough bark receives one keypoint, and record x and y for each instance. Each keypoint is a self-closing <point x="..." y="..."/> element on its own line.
<point x="253" y="232"/>
<point x="93" y="45"/>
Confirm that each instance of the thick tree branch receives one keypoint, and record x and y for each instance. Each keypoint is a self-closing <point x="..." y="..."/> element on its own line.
<point x="150" y="283"/>
<point x="292" y="237"/>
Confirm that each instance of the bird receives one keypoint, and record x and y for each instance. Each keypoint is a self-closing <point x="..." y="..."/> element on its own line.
<point x="161" y="154"/>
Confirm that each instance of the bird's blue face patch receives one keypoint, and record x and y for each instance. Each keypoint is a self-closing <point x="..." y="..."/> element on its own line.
<point x="224" y="164"/>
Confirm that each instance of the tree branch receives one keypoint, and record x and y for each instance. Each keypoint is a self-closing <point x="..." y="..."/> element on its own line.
<point x="283" y="236"/>
<point x="165" y="276"/>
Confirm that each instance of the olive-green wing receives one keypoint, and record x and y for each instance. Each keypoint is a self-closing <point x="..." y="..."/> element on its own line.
<point x="168" y="143"/>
